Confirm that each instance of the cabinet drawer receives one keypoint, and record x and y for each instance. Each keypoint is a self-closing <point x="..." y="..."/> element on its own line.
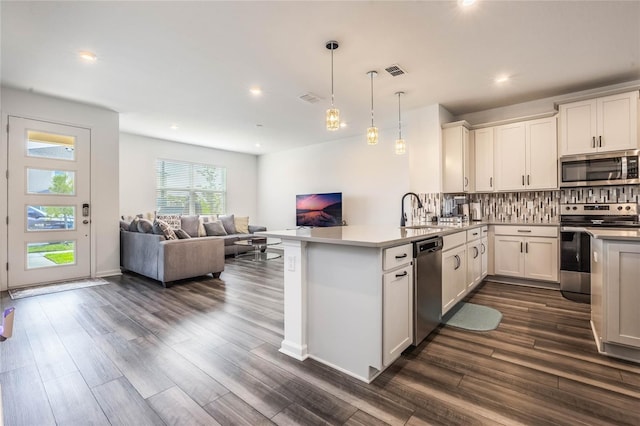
<point x="474" y="234"/>
<point x="454" y="240"/>
<point x="397" y="256"/>
<point x="527" y="231"/>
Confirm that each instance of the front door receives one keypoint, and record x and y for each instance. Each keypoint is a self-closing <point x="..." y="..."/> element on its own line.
<point x="48" y="202"/>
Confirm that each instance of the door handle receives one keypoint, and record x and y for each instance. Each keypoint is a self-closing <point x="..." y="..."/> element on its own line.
<point x="600" y="141"/>
<point x="526" y="247"/>
<point x="520" y="246"/>
<point x="528" y="179"/>
<point x="522" y="180"/>
<point x="477" y="252"/>
<point x="484" y="249"/>
<point x="85" y="221"/>
<point x="457" y="262"/>
<point x="403" y="274"/>
<point x="593" y="142"/>
<point x="466" y="181"/>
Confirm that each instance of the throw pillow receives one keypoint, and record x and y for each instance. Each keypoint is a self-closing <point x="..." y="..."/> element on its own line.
<point x="173" y="220"/>
<point x="190" y="225"/>
<point x="165" y="229"/>
<point x="227" y="222"/>
<point x="182" y="234"/>
<point x="124" y="225"/>
<point x="133" y="226"/>
<point x="145" y="226"/>
<point x="242" y="224"/>
<point x="215" y="229"/>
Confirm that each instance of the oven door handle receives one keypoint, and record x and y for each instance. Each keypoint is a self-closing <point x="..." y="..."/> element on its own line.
<point x="572" y="229"/>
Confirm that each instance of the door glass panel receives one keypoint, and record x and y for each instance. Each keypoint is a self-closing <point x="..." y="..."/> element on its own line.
<point x="60" y="182"/>
<point x="50" y="145"/>
<point x="47" y="218"/>
<point x="53" y="253"/>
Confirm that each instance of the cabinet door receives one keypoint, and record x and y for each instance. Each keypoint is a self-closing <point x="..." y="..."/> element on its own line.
<point x="617" y="122"/>
<point x="454" y="276"/>
<point x="484" y="251"/>
<point x="510" y="160"/>
<point x="578" y="127"/>
<point x="397" y="313"/>
<point x="452" y="159"/>
<point x="483" y="146"/>
<point x="509" y="256"/>
<point x="542" y="154"/>
<point x="541" y="258"/>
<point x="622" y="315"/>
<point x="474" y="265"/>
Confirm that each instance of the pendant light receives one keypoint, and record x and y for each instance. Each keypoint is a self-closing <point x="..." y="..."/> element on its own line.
<point x="372" y="132"/>
<point x="401" y="145"/>
<point x="333" y="114"/>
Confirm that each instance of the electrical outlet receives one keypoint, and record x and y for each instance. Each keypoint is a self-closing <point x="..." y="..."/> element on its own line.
<point x="291" y="263"/>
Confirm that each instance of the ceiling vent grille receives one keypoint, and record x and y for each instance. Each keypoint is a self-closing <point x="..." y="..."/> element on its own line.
<point x="395" y="70"/>
<point x="311" y="98"/>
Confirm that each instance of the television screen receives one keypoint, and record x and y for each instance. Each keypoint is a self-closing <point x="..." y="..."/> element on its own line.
<point x="319" y="209"/>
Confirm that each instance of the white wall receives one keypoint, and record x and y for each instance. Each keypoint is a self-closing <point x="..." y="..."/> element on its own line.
<point x="105" y="259"/>
<point x="138" y="156"/>
<point x="372" y="179"/>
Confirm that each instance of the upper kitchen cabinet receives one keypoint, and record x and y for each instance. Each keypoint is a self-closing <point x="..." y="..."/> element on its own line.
<point x="603" y="124"/>
<point x="526" y="156"/>
<point x="483" y="146"/>
<point x="457" y="158"/>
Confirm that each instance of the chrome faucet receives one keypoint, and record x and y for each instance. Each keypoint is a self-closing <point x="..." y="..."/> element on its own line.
<point x="403" y="218"/>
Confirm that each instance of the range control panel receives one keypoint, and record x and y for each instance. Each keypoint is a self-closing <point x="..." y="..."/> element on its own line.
<point x="621" y="209"/>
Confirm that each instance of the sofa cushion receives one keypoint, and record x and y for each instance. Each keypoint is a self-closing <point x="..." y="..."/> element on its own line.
<point x="145" y="226"/>
<point x="230" y="239"/>
<point x="133" y="226"/>
<point x="163" y="228"/>
<point x="242" y="224"/>
<point x="124" y="225"/>
<point x="190" y="224"/>
<point x="182" y="234"/>
<point x="173" y="220"/>
<point x="227" y="222"/>
<point x="215" y="229"/>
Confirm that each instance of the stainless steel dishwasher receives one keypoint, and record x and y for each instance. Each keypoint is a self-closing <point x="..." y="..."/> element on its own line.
<point x="427" y="296"/>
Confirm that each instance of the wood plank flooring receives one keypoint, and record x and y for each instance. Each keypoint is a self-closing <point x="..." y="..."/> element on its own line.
<point x="205" y="351"/>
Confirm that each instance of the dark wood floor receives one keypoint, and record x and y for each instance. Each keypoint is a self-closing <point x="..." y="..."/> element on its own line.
<point x="205" y="352"/>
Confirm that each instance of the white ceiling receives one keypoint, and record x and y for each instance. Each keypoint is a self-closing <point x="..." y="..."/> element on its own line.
<point x="192" y="63"/>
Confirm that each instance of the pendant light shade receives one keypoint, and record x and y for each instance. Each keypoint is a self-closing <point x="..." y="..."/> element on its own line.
<point x="333" y="113"/>
<point x="372" y="132"/>
<point x="400" y="145"/>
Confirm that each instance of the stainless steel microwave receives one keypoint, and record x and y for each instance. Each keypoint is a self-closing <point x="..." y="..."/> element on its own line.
<point x="611" y="168"/>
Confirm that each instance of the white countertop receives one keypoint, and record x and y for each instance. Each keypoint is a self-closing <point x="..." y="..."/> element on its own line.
<point x="614" y="234"/>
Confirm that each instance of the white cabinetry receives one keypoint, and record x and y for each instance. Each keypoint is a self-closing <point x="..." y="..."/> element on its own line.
<point x="615" y="317"/>
<point x="484" y="251"/>
<point x="457" y="158"/>
<point x="526" y="252"/>
<point x="603" y="124"/>
<point x="483" y="147"/>
<point x="454" y="269"/>
<point x="474" y="258"/>
<point x="526" y="155"/>
<point x="397" y="302"/>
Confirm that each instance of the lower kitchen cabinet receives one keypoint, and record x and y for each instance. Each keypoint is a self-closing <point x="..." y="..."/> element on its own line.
<point x="533" y="257"/>
<point x="615" y="298"/>
<point x="454" y="276"/>
<point x="474" y="259"/>
<point x="484" y="251"/>
<point x="397" y="305"/>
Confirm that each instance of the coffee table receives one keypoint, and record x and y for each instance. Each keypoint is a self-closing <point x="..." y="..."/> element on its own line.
<point x="259" y="245"/>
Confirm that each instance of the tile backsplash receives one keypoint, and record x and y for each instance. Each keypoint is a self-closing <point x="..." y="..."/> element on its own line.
<point x="537" y="206"/>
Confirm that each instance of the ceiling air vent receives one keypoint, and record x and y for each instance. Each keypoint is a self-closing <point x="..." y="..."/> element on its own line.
<point x="310" y="97"/>
<point x="395" y="70"/>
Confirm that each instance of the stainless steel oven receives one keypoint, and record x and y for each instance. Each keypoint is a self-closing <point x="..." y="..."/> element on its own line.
<point x="575" y="242"/>
<point x="613" y="168"/>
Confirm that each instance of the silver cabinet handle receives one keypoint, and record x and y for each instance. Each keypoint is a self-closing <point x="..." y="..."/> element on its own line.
<point x="600" y="141"/>
<point x="458" y="262"/>
<point x="466" y="181"/>
<point x="491" y="182"/>
<point x="520" y="247"/>
<point x="526" y="247"/>
<point x="528" y="179"/>
<point x="403" y="274"/>
<point x="401" y="256"/>
<point x="477" y="252"/>
<point x="522" y="180"/>
<point x="593" y="142"/>
<point x="484" y="249"/>
<point x="524" y="230"/>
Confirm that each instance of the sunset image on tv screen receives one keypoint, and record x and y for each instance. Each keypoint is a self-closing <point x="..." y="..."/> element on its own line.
<point x="319" y="209"/>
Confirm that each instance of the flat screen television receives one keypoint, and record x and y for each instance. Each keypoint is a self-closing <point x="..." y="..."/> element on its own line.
<point x="318" y="210"/>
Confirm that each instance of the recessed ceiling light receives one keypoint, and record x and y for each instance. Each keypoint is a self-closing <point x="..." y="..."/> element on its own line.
<point x="257" y="145"/>
<point x="174" y="127"/>
<point x="501" y="79"/>
<point x="343" y="124"/>
<point x="255" y="90"/>
<point x="87" y="56"/>
<point x="465" y="3"/>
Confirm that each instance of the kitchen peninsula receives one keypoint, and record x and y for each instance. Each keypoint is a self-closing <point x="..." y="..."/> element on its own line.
<point x="348" y="294"/>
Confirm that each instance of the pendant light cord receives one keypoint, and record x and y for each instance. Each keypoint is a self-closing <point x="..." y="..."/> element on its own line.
<point x="332" y="76"/>
<point x="371" y="74"/>
<point x="399" y="119"/>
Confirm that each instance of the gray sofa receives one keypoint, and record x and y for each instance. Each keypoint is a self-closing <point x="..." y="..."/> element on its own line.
<point x="164" y="260"/>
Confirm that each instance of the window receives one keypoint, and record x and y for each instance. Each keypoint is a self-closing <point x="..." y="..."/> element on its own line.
<point x="190" y="188"/>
